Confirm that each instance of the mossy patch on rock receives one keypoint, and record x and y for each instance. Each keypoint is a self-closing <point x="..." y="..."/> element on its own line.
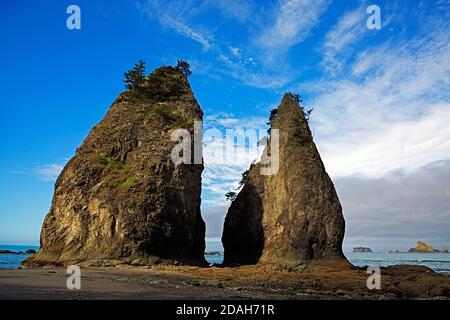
<point x="129" y="182"/>
<point x="172" y="118"/>
<point x="163" y="84"/>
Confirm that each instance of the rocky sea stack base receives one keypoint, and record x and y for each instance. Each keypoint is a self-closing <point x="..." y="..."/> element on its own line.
<point x="317" y="281"/>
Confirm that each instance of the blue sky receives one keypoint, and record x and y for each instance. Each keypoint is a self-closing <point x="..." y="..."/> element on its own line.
<point x="380" y="97"/>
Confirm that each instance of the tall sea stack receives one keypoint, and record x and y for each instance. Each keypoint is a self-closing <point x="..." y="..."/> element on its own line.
<point x="121" y="199"/>
<point x="292" y="217"/>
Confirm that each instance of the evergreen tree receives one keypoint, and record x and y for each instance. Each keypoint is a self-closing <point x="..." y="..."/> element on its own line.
<point x="243" y="179"/>
<point x="272" y="116"/>
<point x="308" y="114"/>
<point x="184" y="68"/>
<point x="231" y="196"/>
<point x="273" y="113"/>
<point x="297" y="98"/>
<point x="135" y="76"/>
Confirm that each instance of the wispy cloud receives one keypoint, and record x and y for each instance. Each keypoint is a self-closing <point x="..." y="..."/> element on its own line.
<point x="292" y="23"/>
<point x="44" y="172"/>
<point x="349" y="29"/>
<point x="186" y="31"/>
<point x="230" y="121"/>
<point x="240" y="10"/>
<point x="224" y="165"/>
<point x="159" y="10"/>
<point x="404" y="145"/>
<point x="243" y="62"/>
<point x="262" y="63"/>
<point x="388" y="114"/>
<point x="49" y="172"/>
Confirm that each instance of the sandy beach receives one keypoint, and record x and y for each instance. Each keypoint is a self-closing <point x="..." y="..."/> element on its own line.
<point x="249" y="282"/>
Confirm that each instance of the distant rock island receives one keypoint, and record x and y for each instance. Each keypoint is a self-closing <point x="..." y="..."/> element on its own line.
<point x="28" y="251"/>
<point x="422" y="247"/>
<point x="362" y="249"/>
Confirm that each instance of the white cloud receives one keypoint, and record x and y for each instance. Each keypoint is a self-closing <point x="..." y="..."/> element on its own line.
<point x="214" y="217"/>
<point x="290" y="22"/>
<point x="293" y="21"/>
<point x="218" y="179"/>
<point x="404" y="145"/>
<point x="393" y="212"/>
<point x="254" y="72"/>
<point x="186" y="31"/>
<point x="234" y="51"/>
<point x="49" y="172"/>
<point x="240" y="10"/>
<point x="224" y="165"/>
<point x="240" y="63"/>
<point x="349" y="29"/>
<point x="170" y="14"/>
<point x="390" y="112"/>
<point x="230" y="121"/>
<point x="46" y="172"/>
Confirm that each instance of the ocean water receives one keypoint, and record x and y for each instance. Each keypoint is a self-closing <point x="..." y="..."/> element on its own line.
<point x="214" y="251"/>
<point x="12" y="261"/>
<point x="439" y="262"/>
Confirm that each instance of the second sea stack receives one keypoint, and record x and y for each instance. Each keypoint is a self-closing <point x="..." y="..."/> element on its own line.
<point x="294" y="216"/>
<point x="121" y="198"/>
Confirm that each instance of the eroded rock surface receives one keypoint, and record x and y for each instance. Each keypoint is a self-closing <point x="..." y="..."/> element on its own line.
<point x="292" y="217"/>
<point x="121" y="199"/>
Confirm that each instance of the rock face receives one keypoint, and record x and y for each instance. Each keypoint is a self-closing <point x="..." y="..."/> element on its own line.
<point x="121" y="199"/>
<point x="292" y="217"/>
<point x="422" y="247"/>
<point x="362" y="249"/>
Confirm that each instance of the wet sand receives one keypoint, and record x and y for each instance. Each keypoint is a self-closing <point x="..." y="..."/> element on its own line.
<point x="248" y="282"/>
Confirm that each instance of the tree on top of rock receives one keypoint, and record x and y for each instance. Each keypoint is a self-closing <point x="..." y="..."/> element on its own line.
<point x="272" y="116"/>
<point x="135" y="76"/>
<point x="243" y="179"/>
<point x="231" y="196"/>
<point x="184" y="68"/>
<point x="297" y="97"/>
